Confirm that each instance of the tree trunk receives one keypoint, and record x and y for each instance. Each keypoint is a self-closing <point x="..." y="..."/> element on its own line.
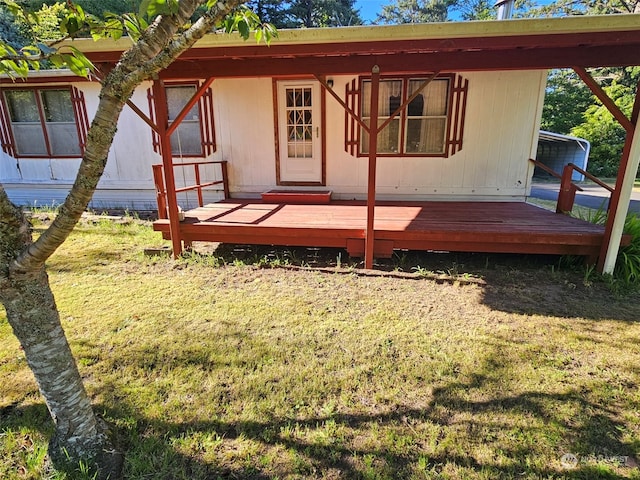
<point x="33" y="316"/>
<point x="32" y="313"/>
<point x="24" y="285"/>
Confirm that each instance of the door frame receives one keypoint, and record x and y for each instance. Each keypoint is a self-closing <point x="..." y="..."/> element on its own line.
<point x="323" y="137"/>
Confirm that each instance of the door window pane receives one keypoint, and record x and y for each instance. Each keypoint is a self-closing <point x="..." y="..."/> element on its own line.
<point x="299" y="122"/>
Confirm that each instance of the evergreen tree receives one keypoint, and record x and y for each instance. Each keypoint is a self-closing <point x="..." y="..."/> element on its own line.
<point x="271" y="11"/>
<point x="588" y="7"/>
<point x="415" y="11"/>
<point x="476" y="9"/>
<point x="322" y="13"/>
<point x="12" y="32"/>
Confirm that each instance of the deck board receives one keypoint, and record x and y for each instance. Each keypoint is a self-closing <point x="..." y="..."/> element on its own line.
<point x="509" y="227"/>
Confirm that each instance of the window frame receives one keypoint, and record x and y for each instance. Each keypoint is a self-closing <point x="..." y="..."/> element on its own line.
<point x="77" y="104"/>
<point x="195" y="85"/>
<point x="206" y="120"/>
<point x="403" y="115"/>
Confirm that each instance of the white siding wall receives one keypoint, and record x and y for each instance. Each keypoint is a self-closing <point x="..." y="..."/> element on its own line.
<point x="127" y="181"/>
<point x="502" y="117"/>
<point x="245" y="132"/>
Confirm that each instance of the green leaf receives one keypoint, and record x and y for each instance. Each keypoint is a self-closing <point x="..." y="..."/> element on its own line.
<point x="70" y="25"/>
<point x="211" y="3"/>
<point x="229" y="24"/>
<point x="161" y="7"/>
<point x="33" y="18"/>
<point x="144" y="6"/>
<point x="246" y="21"/>
<point x="30" y="51"/>
<point x="114" y="28"/>
<point x="79" y="12"/>
<point x="77" y="62"/>
<point x="134" y="25"/>
<point x="82" y="57"/>
<point x="57" y="60"/>
<point x="243" y="29"/>
<point x="15" y="68"/>
<point x="13" y="7"/>
<point x="269" y="31"/>
<point x="75" y="65"/>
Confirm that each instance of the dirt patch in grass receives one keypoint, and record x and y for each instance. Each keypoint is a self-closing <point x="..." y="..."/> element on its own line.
<point x="250" y="362"/>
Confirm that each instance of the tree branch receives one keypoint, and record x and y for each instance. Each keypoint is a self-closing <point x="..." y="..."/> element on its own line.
<point x="184" y="41"/>
<point x="137" y="64"/>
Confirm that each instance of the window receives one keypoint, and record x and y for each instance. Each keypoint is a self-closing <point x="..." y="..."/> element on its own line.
<point x="187" y="139"/>
<point x="430" y="125"/>
<point x="44" y="122"/>
<point x="195" y="136"/>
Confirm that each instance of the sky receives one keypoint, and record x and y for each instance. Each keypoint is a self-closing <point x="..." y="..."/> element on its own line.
<point x="369" y="8"/>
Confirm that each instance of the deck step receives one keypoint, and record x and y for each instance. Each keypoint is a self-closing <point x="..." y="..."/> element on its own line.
<point x="297" y="196"/>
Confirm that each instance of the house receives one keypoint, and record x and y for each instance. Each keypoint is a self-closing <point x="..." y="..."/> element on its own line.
<point x="279" y="130"/>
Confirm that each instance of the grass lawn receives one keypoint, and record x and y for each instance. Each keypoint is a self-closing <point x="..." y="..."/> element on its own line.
<point x="441" y="367"/>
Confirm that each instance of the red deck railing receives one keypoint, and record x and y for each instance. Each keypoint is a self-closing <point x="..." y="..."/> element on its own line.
<point x="161" y="191"/>
<point x="568" y="189"/>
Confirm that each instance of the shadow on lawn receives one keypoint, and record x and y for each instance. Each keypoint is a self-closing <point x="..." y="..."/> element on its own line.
<point x="151" y="453"/>
<point x="548" y="285"/>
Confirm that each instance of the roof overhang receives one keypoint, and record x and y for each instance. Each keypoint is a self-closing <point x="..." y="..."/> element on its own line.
<point x="522" y="44"/>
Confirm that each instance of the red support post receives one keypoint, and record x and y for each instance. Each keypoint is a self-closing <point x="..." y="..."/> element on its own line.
<point x="614" y="203"/>
<point x="196" y="168"/>
<point x="373" y="153"/>
<point x="162" y="120"/>
<point x="225" y="179"/>
<point x="567" y="194"/>
<point x="605" y="264"/>
<point x="160" y="192"/>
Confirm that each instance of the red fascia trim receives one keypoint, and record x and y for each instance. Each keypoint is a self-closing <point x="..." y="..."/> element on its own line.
<point x="384" y="47"/>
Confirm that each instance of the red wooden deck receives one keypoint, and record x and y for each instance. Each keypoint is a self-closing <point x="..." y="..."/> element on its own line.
<point x="513" y="227"/>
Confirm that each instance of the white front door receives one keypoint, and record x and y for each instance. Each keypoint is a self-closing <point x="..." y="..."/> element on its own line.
<point x="300" y="138"/>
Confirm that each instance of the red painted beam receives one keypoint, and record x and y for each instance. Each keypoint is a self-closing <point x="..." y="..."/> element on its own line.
<point x="407" y="63"/>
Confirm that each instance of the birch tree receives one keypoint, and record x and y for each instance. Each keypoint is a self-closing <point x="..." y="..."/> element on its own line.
<point x="158" y="38"/>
